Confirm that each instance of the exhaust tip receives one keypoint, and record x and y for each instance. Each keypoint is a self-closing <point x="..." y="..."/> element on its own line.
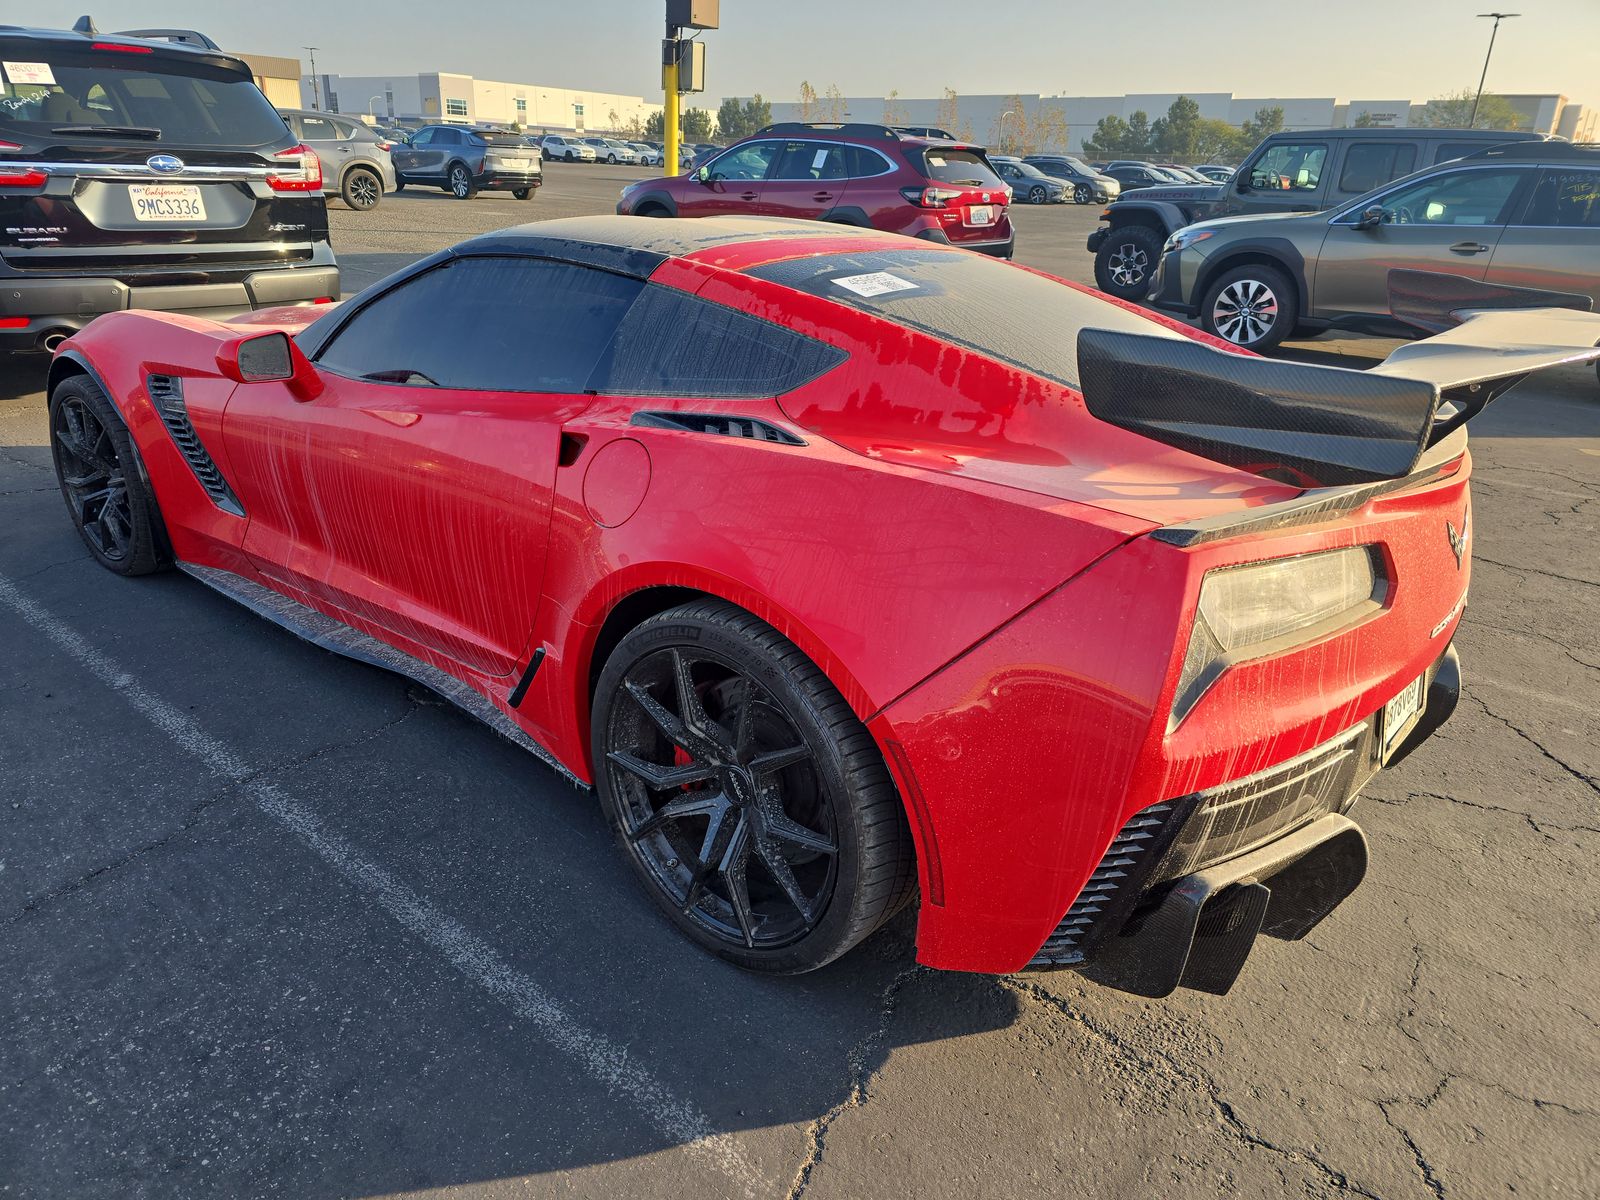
<point x="52" y="341"/>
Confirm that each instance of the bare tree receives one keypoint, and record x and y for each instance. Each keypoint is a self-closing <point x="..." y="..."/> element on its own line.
<point x="893" y="113"/>
<point x="834" y="105"/>
<point x="808" y="101"/>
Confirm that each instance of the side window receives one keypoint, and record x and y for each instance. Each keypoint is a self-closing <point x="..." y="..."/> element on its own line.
<point x="422" y="137"/>
<point x="746" y="162"/>
<point x="318" y="129"/>
<point x="1450" y="151"/>
<point x="864" y="163"/>
<point x="674" y="344"/>
<point x="1290" y="167"/>
<point x="1369" y="165"/>
<point x="1453" y="198"/>
<point x="811" y="160"/>
<point x="487" y="324"/>
<point x="1566" y="200"/>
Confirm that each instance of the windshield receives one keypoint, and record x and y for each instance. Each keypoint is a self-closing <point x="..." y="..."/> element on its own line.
<point x="959" y="166"/>
<point x="60" y="94"/>
<point x="981" y="303"/>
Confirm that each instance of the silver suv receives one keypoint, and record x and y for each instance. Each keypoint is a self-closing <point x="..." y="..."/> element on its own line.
<point x="356" y="165"/>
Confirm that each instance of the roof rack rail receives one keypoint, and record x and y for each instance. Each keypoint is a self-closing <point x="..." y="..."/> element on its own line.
<point x="1557" y="151"/>
<point x="183" y="37"/>
<point x="855" y="128"/>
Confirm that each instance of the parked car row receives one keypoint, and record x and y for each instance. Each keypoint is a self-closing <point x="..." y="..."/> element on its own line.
<point x="1300" y="171"/>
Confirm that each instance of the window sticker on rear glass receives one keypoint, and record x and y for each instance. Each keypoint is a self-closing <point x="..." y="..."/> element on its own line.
<point x="875" y="284"/>
<point x="29" y="72"/>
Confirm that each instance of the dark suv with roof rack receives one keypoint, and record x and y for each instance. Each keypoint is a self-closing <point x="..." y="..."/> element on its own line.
<point x="873" y="176"/>
<point x="146" y="172"/>
<point x="1515" y="225"/>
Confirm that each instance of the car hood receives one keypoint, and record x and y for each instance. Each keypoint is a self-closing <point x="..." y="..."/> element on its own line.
<point x="1256" y="220"/>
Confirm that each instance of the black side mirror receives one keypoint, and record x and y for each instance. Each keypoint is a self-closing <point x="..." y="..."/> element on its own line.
<point x="1371" y="218"/>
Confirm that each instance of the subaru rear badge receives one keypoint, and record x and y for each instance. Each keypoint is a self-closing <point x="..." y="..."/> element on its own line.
<point x="164" y="164"/>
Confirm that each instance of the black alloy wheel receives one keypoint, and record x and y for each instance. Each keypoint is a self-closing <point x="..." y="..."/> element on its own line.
<point x="570" y="156"/>
<point x="362" y="189"/>
<point x="461" y="185"/>
<point x="522" y="193"/>
<point x="1081" y="194"/>
<point x="101" y="480"/>
<point x="1125" y="264"/>
<point x="1038" y="194"/>
<point x="750" y="801"/>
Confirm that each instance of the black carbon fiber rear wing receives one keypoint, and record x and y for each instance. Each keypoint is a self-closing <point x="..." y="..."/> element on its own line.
<point x="1323" y="426"/>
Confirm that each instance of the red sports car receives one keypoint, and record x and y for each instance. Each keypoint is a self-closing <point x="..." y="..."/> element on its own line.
<point x="845" y="568"/>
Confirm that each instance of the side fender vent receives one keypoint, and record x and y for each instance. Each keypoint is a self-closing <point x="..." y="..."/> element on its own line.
<point x="166" y="393"/>
<point x="718" y="424"/>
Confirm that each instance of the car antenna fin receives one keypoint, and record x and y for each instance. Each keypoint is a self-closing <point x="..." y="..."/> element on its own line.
<point x="86" y="26"/>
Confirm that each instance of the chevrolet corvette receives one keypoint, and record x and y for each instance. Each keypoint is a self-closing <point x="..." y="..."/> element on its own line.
<point x="848" y="570"/>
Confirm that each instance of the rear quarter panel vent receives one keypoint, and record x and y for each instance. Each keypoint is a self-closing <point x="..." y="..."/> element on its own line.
<point x="718" y="425"/>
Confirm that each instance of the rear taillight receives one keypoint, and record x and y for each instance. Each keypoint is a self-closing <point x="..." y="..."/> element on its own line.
<point x="10" y="145"/>
<point x="930" y="197"/>
<point x="14" y="322"/>
<point x="307" y="175"/>
<point x="21" y="177"/>
<point x="385" y="146"/>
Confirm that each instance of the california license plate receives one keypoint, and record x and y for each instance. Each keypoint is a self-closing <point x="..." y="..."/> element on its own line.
<point x="1400" y="713"/>
<point x="980" y="214"/>
<point x="166" y="202"/>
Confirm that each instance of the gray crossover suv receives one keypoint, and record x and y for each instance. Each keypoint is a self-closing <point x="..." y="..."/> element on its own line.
<point x="1525" y="215"/>
<point x="356" y="165"/>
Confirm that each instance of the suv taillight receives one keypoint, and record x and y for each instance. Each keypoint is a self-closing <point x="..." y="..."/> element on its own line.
<point x="17" y="176"/>
<point x="306" y="178"/>
<point x="930" y="197"/>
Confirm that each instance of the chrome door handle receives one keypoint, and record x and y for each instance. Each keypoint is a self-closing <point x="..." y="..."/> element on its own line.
<point x="1468" y="248"/>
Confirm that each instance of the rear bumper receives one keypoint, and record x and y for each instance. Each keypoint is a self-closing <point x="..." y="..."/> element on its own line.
<point x="66" y="305"/>
<point x="500" y="180"/>
<point x="1189" y="884"/>
<point x="997" y="249"/>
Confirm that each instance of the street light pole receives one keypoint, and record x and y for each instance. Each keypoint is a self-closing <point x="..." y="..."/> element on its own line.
<point x="316" y="90"/>
<point x="1498" y="17"/>
<point x="370" y="111"/>
<point x="1002" y="131"/>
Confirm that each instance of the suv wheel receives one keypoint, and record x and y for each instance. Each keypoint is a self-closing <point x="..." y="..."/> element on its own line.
<point x="1081" y="194"/>
<point x="1252" y="306"/>
<point x="522" y="193"/>
<point x="461" y="185"/>
<point x="1126" y="262"/>
<point x="362" y="189"/>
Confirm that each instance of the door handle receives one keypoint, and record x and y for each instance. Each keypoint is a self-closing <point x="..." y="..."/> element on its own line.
<point x="747" y="195"/>
<point x="819" y="197"/>
<point x="1468" y="248"/>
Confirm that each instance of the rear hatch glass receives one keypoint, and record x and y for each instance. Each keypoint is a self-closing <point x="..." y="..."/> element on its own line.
<point x="59" y="98"/>
<point x="959" y="168"/>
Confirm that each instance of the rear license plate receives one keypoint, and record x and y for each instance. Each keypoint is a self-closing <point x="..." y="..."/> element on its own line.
<point x="1401" y="713"/>
<point x="166" y="202"/>
<point x="980" y="214"/>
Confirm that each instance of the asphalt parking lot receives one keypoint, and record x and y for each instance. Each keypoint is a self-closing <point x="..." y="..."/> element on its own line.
<point x="273" y="923"/>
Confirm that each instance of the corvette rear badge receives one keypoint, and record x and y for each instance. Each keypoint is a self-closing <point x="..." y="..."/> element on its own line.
<point x="1458" y="541"/>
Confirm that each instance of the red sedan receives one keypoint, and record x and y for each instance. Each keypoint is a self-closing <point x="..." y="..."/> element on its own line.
<point x="845" y="569"/>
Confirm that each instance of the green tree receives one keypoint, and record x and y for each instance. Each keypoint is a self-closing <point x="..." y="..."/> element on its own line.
<point x="1110" y="137"/>
<point x="1365" y="121"/>
<point x="1266" y="122"/>
<point x="655" y="127"/>
<point x="738" y="119"/>
<point x="1138" y="133"/>
<point x="1454" y="111"/>
<point x="696" y="125"/>
<point x="1173" y="135"/>
<point x="1213" y="140"/>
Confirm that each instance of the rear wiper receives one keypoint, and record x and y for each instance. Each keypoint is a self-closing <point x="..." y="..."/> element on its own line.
<point x="135" y="131"/>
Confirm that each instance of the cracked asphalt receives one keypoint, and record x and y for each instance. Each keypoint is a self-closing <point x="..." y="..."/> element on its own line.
<point x="273" y="923"/>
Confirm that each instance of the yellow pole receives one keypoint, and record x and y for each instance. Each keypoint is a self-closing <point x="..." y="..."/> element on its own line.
<point x="669" y="83"/>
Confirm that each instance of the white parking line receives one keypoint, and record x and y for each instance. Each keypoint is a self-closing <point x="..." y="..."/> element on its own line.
<point x="477" y="960"/>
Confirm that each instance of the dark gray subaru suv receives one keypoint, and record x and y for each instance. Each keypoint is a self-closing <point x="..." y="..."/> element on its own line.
<point x="139" y="172"/>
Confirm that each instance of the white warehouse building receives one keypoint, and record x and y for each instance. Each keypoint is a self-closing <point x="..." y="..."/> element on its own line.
<point x="456" y="99"/>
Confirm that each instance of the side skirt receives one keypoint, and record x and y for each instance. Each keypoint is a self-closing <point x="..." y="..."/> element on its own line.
<point x="341" y="639"/>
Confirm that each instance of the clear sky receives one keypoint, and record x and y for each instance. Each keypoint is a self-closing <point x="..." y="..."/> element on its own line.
<point x="1392" y="49"/>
